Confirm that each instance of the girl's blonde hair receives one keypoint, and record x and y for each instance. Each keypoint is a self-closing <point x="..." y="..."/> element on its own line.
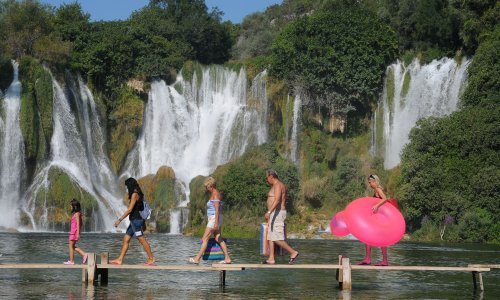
<point x="377" y="180"/>
<point x="209" y="182"/>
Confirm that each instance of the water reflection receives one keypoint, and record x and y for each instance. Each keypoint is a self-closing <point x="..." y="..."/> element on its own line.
<point x="248" y="284"/>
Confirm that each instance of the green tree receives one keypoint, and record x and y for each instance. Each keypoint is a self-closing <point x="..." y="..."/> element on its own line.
<point x="22" y="24"/>
<point x="338" y="57"/>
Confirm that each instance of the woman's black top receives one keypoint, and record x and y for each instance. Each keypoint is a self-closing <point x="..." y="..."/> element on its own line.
<point x="139" y="205"/>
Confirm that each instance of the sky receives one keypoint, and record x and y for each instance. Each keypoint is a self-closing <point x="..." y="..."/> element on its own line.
<point x="108" y="10"/>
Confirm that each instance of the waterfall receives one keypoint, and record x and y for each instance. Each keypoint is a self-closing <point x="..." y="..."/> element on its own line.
<point x="194" y="126"/>
<point x="77" y="148"/>
<point x="294" y="149"/>
<point x="417" y="91"/>
<point x="12" y="154"/>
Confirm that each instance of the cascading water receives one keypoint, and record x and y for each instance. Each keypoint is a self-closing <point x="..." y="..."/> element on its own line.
<point x="294" y="145"/>
<point x="77" y="148"/>
<point x="419" y="91"/>
<point x="194" y="126"/>
<point x="12" y="154"/>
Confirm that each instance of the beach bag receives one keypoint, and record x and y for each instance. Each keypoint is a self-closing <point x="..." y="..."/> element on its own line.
<point x="146" y="210"/>
<point x="213" y="251"/>
<point x="264" y="243"/>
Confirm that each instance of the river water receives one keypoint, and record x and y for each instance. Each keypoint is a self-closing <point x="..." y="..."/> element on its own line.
<point x="248" y="284"/>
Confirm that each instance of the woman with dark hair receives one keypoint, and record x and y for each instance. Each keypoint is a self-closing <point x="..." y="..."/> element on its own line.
<point x="74" y="234"/>
<point x="136" y="204"/>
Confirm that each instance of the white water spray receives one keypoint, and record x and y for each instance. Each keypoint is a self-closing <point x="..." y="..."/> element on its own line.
<point x="12" y="154"/>
<point x="77" y="148"/>
<point x="294" y="149"/>
<point x="194" y="126"/>
<point x="433" y="90"/>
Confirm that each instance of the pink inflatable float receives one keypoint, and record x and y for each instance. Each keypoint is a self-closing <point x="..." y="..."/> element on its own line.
<point x="338" y="225"/>
<point x="383" y="228"/>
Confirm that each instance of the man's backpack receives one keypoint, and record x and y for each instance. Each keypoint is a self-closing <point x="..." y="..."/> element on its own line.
<point x="146" y="211"/>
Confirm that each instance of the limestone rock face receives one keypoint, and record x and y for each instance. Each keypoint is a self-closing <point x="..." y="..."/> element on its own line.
<point x="163" y="192"/>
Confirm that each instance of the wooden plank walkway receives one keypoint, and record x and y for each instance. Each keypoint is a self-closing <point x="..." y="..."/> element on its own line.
<point x="41" y="266"/>
<point x="92" y="270"/>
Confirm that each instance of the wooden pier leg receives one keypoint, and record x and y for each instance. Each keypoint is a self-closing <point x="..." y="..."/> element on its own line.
<point x="474" y="279"/>
<point x="91" y="267"/>
<point x="103" y="272"/>
<point x="480" y="274"/>
<point x="338" y="273"/>
<point x="85" y="275"/>
<point x="346" y="274"/>
<point x="222" y="278"/>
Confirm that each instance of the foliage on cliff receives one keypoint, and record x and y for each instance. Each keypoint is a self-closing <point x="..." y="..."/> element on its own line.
<point x="36" y="111"/>
<point x="6" y="72"/>
<point x="451" y="166"/>
<point x="125" y="122"/>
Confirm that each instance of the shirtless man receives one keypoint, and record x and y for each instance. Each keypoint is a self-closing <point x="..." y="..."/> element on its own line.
<point x="275" y="216"/>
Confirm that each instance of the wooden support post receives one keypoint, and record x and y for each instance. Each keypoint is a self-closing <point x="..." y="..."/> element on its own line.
<point x="338" y="273"/>
<point x="222" y="278"/>
<point x="85" y="275"/>
<point x="475" y="275"/>
<point x="474" y="279"/>
<point x="91" y="267"/>
<point x="103" y="272"/>
<point x="346" y="274"/>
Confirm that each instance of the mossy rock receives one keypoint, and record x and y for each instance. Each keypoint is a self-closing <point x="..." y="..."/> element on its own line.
<point x="189" y="69"/>
<point x="55" y="200"/>
<point x="125" y="122"/>
<point x="163" y="192"/>
<point x="36" y="111"/>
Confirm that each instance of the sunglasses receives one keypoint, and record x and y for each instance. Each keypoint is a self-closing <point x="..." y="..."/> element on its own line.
<point x="371" y="177"/>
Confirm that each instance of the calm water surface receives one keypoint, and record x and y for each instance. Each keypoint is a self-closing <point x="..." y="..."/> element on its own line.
<point x="248" y="284"/>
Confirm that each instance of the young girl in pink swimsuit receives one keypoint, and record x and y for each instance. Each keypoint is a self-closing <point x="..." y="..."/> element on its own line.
<point x="74" y="234"/>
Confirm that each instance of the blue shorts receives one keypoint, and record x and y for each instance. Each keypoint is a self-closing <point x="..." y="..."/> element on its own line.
<point x="137" y="225"/>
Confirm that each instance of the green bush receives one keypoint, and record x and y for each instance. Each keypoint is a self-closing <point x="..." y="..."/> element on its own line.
<point x="6" y="73"/>
<point x="476" y="226"/>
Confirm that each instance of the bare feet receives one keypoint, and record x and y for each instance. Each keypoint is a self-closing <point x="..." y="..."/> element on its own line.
<point x="225" y="262"/>
<point x="116" y="262"/>
<point x="193" y="261"/>
<point x="150" y="262"/>
<point x="268" y="262"/>
<point x="382" y="264"/>
<point x="364" y="263"/>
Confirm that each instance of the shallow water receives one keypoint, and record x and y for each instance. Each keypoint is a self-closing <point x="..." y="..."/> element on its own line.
<point x="248" y="284"/>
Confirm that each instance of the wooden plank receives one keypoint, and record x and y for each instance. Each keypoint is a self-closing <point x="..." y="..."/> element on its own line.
<point x="420" y="268"/>
<point x="244" y="266"/>
<point x="277" y="266"/>
<point x="491" y="266"/>
<point x="41" y="266"/>
<point x="159" y="267"/>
